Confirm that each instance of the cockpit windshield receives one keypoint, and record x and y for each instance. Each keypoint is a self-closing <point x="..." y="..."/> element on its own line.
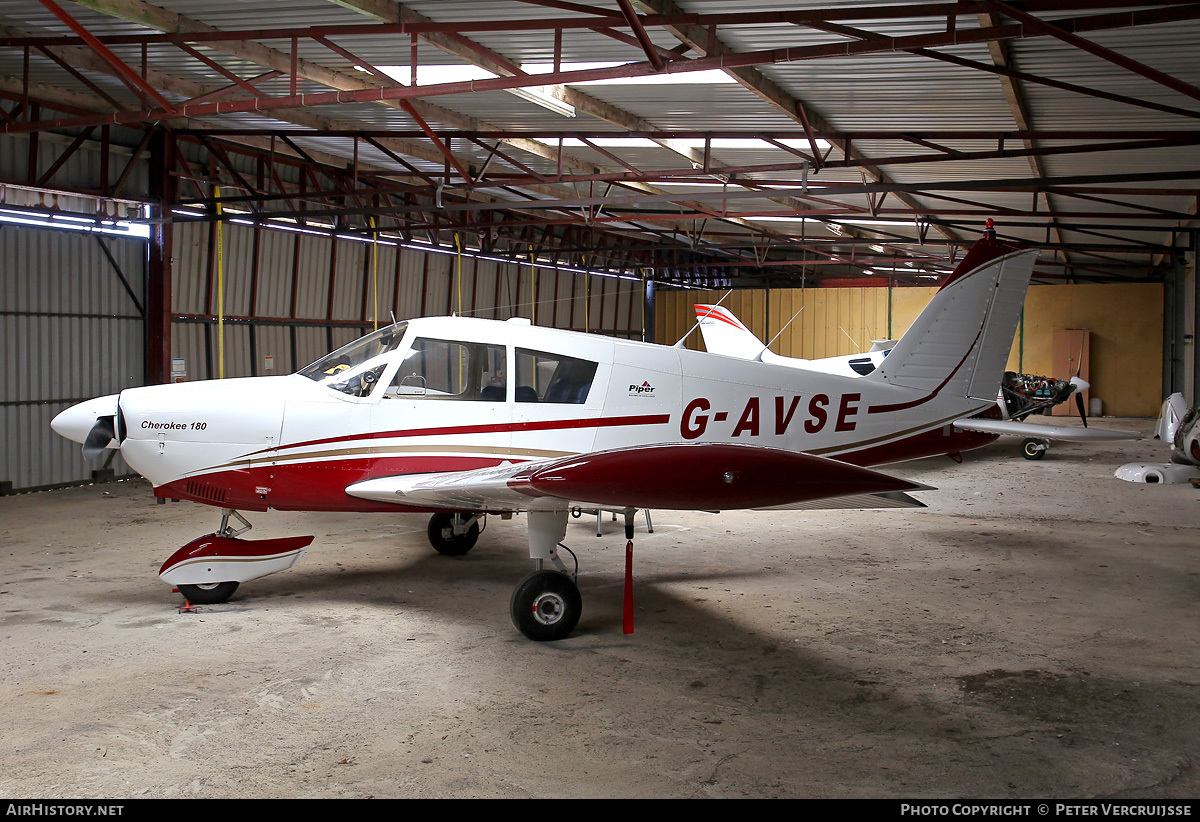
<point x="355" y="369"/>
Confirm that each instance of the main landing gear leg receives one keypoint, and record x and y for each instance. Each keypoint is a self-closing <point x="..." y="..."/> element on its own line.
<point x="627" y="605"/>
<point x="453" y="534"/>
<point x="546" y="605"/>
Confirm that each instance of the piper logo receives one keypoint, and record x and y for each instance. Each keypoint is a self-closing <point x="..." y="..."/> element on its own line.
<point x="644" y="388"/>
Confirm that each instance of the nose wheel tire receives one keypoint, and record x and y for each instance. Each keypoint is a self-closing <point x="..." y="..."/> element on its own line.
<point x="208" y="593"/>
<point x="1033" y="449"/>
<point x="445" y="541"/>
<point x="546" y="606"/>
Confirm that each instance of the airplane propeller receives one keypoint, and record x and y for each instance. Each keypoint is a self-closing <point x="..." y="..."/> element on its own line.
<point x="1080" y="386"/>
<point x="103" y="432"/>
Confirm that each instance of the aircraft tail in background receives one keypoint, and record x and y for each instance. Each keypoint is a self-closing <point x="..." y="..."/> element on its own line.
<point x="725" y="334"/>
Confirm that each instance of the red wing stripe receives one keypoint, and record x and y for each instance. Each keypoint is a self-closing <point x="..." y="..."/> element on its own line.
<point x="496" y="428"/>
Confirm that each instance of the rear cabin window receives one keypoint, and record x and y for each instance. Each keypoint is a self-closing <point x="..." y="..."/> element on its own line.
<point x="450" y="370"/>
<point x="552" y="378"/>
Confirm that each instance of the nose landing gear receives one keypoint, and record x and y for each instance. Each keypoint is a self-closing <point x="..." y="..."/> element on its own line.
<point x="209" y="569"/>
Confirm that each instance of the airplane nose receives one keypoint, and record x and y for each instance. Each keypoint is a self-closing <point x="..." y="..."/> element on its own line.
<point x="1080" y="384"/>
<point x="76" y="422"/>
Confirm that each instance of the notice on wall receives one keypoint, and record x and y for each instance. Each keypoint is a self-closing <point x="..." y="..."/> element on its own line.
<point x="178" y="369"/>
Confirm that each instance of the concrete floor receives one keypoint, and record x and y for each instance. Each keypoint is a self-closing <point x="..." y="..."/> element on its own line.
<point x="1032" y="633"/>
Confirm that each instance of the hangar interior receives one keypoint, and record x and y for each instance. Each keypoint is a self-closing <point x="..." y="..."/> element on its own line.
<point x="221" y="188"/>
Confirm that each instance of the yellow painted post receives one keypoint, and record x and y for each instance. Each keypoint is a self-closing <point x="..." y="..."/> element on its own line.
<point x="220" y="291"/>
<point x="375" y="272"/>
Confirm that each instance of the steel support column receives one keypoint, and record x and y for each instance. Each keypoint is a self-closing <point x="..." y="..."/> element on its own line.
<point x="163" y="190"/>
<point x="648" y="313"/>
<point x="1193" y="351"/>
<point x="1174" y="329"/>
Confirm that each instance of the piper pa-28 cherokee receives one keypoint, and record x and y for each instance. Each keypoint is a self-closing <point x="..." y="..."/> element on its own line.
<point x="465" y="417"/>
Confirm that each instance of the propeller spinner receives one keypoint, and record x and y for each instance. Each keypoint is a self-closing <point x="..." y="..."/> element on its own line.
<point x="93" y="423"/>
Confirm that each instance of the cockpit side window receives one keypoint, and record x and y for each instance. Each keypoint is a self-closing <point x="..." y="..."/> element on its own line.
<point x="553" y="378"/>
<point x="355" y="369"/>
<point x="451" y="370"/>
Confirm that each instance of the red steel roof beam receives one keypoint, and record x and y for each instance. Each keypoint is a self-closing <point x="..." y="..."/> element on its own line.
<point x="407" y="106"/>
<point x="252" y="81"/>
<point x="70" y="69"/>
<point x="220" y="69"/>
<point x="127" y="75"/>
<point x="1103" y="53"/>
<point x="797" y="17"/>
<point x="683" y="66"/>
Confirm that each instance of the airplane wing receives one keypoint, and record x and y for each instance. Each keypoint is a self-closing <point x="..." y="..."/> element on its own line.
<point x="693" y="477"/>
<point x="887" y="499"/>
<point x="1045" y="432"/>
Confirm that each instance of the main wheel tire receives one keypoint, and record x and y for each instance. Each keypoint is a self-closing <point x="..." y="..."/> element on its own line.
<point x="443" y="539"/>
<point x="1033" y="449"/>
<point x="546" y="606"/>
<point x="211" y="593"/>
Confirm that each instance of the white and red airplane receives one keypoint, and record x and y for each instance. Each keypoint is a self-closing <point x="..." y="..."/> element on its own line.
<point x="466" y="417"/>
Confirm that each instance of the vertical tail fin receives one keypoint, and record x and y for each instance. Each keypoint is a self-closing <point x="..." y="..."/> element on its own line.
<point x="725" y="334"/>
<point x="959" y="344"/>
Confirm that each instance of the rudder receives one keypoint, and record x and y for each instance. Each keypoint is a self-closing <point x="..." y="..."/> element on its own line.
<point x="961" y="341"/>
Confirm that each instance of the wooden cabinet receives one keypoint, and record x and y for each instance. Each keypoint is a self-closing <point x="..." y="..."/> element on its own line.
<point x="1071" y="349"/>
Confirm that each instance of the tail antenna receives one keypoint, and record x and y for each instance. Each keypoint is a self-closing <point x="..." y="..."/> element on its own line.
<point x="759" y="356"/>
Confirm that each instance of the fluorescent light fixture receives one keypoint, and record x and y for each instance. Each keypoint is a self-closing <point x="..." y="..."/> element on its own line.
<point x="357" y="238"/>
<point x="681" y="142"/>
<point x="435" y="75"/>
<point x="808" y="220"/>
<point x="71" y="223"/>
<point x="438" y="74"/>
<point x="542" y="96"/>
<point x="710" y="77"/>
<point x="889" y="223"/>
<point x="697" y="185"/>
<point x="877" y="248"/>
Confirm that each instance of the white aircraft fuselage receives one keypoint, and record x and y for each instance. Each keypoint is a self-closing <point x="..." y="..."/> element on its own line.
<point x="293" y="443"/>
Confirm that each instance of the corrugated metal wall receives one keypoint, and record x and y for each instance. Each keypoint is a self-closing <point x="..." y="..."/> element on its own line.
<point x="72" y="330"/>
<point x="289" y="297"/>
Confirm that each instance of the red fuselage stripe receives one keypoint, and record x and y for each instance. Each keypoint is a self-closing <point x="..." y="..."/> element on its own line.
<point x="496" y="428"/>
